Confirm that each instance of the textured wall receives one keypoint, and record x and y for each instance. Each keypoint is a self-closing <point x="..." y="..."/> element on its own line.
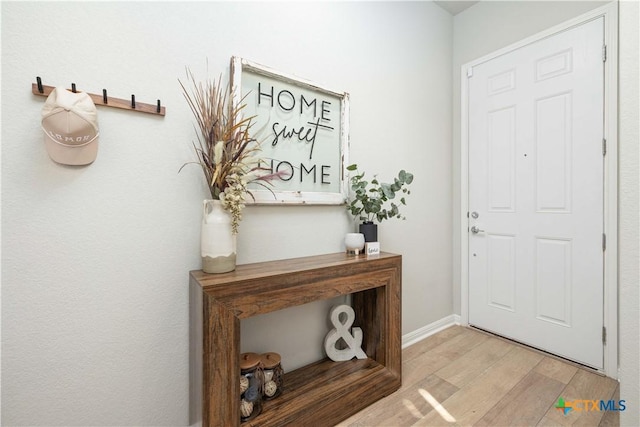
<point x="629" y="220"/>
<point x="95" y="259"/>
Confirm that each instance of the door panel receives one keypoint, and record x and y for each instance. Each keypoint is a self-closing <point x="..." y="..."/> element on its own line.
<point x="501" y="168"/>
<point x="553" y="153"/>
<point x="553" y="281"/>
<point x="501" y="277"/>
<point x="536" y="183"/>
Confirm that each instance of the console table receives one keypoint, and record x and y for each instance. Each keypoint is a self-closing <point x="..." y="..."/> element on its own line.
<point x="322" y="393"/>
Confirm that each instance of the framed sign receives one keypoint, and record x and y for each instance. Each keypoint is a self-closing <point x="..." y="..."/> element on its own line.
<point x="304" y="133"/>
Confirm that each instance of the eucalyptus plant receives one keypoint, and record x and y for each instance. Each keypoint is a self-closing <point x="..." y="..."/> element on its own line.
<point x="371" y="200"/>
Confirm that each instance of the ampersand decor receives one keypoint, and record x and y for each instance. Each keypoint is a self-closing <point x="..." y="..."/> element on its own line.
<point x="342" y="330"/>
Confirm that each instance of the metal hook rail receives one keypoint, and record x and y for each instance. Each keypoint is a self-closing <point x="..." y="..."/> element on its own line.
<point x="104" y="100"/>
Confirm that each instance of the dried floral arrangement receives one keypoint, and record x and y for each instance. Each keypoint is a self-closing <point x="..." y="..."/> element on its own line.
<point x="226" y="151"/>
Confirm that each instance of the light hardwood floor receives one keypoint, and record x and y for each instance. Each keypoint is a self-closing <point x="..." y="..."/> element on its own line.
<point x="461" y="376"/>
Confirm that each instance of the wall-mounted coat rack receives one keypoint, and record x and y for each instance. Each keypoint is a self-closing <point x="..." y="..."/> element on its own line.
<point x="104" y="100"/>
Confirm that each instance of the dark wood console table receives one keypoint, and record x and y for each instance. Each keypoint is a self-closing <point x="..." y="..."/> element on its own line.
<point x="322" y="393"/>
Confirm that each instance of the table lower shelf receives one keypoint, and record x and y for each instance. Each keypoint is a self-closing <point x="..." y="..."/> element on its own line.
<point x="318" y="394"/>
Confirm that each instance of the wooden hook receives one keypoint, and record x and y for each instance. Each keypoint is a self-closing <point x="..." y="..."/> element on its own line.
<point x="102" y="99"/>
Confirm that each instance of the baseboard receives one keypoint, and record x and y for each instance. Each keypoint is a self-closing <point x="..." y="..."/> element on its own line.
<point x="430" y="329"/>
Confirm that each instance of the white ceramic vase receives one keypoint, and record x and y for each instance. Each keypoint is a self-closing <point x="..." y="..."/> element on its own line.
<point x="217" y="241"/>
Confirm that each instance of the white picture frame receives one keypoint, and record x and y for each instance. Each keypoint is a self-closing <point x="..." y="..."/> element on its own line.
<point x="303" y="129"/>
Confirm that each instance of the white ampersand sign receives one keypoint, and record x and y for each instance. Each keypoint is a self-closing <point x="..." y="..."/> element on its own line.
<point x="342" y="330"/>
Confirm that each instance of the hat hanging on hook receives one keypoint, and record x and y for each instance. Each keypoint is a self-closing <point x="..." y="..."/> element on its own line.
<point x="70" y="125"/>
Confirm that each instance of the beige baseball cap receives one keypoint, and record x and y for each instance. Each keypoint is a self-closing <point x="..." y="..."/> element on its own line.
<point x="70" y="124"/>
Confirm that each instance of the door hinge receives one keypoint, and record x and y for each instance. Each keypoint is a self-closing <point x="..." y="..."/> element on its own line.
<point x="604" y="242"/>
<point x="604" y="335"/>
<point x="604" y="147"/>
<point x="604" y="53"/>
<point x="470" y="72"/>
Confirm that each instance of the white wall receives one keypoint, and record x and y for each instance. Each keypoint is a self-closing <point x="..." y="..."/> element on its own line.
<point x="95" y="259"/>
<point x="629" y="210"/>
<point x="489" y="26"/>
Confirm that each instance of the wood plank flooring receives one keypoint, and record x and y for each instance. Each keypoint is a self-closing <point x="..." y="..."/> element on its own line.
<point x="464" y="377"/>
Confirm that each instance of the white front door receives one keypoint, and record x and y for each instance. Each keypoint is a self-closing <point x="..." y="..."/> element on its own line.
<point x="536" y="194"/>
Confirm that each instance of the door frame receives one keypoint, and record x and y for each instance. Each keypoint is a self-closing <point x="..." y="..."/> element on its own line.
<point x="610" y="292"/>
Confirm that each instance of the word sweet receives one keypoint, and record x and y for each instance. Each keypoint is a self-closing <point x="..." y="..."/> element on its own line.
<point x="309" y="134"/>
